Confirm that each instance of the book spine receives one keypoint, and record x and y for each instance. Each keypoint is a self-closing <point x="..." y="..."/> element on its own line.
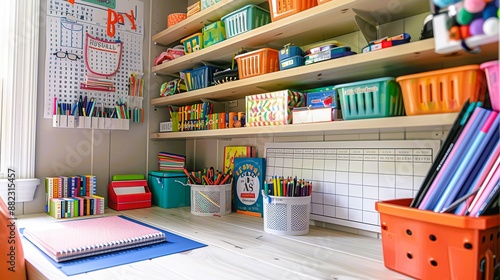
<point x="55" y="186"/>
<point x="49" y="192"/>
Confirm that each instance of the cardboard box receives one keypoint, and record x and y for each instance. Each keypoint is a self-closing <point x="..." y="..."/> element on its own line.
<point x="273" y="108"/>
<point x="311" y="115"/>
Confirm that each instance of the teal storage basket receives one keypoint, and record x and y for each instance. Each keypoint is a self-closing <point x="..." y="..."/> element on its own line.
<point x="200" y="77"/>
<point x="245" y="19"/>
<point x="166" y="191"/>
<point x="374" y="98"/>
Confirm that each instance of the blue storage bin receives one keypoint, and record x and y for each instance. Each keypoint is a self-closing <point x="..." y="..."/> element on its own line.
<point x="166" y="192"/>
<point x="373" y="98"/>
<point x="290" y="51"/>
<point x="200" y="77"/>
<point x="291" y="62"/>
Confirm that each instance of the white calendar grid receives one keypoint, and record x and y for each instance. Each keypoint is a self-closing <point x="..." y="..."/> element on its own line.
<point x="67" y="25"/>
<point x="349" y="177"/>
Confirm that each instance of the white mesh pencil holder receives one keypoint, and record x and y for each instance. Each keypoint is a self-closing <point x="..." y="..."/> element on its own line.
<point x="285" y="215"/>
<point x="210" y="200"/>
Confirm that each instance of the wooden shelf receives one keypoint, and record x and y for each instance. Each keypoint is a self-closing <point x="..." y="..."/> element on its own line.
<point x="329" y="20"/>
<point x="394" y="61"/>
<point x="393" y="124"/>
<point x="197" y="21"/>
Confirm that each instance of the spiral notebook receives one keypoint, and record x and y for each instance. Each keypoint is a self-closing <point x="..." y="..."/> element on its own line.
<point x="68" y="240"/>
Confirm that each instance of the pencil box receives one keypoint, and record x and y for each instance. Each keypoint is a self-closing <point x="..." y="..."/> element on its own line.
<point x="387" y="42"/>
<point x="291" y="62"/>
<point x="225" y="76"/>
<point x="289" y="51"/>
<point x="321" y="46"/>
<point x="328" y="54"/>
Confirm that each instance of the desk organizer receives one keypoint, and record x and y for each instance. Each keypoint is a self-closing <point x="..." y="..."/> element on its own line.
<point x="285" y="215"/>
<point x="284" y="8"/>
<point x="257" y="62"/>
<point x="490" y="68"/>
<point x="442" y="91"/>
<point x="211" y="200"/>
<point x="428" y="245"/>
<point x="373" y="98"/>
<point x="129" y="199"/>
<point x="245" y="19"/>
<point x="201" y="77"/>
<point x="166" y="190"/>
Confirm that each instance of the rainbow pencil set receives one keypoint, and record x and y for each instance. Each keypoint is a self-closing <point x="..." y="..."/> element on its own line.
<point x="290" y="187"/>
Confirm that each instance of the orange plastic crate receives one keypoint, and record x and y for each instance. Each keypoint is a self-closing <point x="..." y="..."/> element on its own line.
<point x="258" y="62"/>
<point x="442" y="91"/>
<point x="283" y="8"/>
<point x="429" y="245"/>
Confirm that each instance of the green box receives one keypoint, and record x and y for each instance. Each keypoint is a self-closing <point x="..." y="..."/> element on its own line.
<point x="166" y="190"/>
<point x="213" y="33"/>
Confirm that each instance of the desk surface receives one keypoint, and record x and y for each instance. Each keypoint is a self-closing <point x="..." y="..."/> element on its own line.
<point x="238" y="248"/>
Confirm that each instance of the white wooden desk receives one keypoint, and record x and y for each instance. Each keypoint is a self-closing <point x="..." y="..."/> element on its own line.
<point x="238" y="248"/>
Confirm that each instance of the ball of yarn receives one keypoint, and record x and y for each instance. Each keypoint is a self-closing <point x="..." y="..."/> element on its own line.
<point x="474" y="6"/>
<point x="464" y="17"/>
<point x="490" y="26"/>
<point x="476" y="27"/>
<point x="464" y="31"/>
<point x="489" y="11"/>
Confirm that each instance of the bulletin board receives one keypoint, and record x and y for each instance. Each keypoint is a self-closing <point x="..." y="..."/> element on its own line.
<point x="79" y="45"/>
<point x="348" y="177"/>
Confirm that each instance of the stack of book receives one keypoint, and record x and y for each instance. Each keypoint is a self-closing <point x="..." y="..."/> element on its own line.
<point x="464" y="178"/>
<point x="72" y="196"/>
<point x="169" y="162"/>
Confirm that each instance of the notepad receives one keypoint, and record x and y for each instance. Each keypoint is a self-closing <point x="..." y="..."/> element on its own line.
<point x="68" y="240"/>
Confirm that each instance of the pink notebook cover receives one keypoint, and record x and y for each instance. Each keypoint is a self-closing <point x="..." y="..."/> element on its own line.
<point x="79" y="238"/>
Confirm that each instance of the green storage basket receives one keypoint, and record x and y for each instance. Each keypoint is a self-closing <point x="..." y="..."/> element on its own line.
<point x="374" y="98"/>
<point x="245" y="19"/>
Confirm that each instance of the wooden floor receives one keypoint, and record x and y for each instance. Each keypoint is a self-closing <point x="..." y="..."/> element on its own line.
<point x="238" y="248"/>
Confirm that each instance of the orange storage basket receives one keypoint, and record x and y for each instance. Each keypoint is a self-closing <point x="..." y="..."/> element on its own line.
<point x="283" y="8"/>
<point x="175" y="18"/>
<point x="442" y="91"/>
<point x="258" y="62"/>
<point x="429" y="245"/>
